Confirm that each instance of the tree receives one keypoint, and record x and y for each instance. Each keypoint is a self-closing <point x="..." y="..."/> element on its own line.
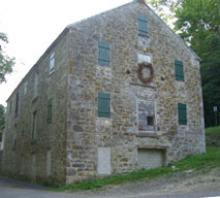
<point x="166" y="9"/>
<point x="199" y="24"/>
<point x="6" y="63"/>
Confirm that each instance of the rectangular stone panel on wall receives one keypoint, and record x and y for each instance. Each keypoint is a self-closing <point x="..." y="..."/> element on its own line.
<point x="150" y="158"/>
<point x="49" y="163"/>
<point x="104" y="161"/>
<point x="33" y="166"/>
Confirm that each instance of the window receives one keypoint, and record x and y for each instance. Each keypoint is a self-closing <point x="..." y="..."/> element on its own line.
<point x="49" y="111"/>
<point x="182" y="114"/>
<point x="17" y="104"/>
<point x="14" y="143"/>
<point x="150" y="120"/>
<point x="143" y="26"/>
<point x="34" y="126"/>
<point x="104" y="105"/>
<point x="179" y="70"/>
<point x="25" y="87"/>
<point x="36" y="81"/>
<point x="52" y="63"/>
<point x="10" y="106"/>
<point x="104" y="54"/>
<point x="146" y="116"/>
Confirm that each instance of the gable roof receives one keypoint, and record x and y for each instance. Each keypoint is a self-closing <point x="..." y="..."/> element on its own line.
<point x="75" y="25"/>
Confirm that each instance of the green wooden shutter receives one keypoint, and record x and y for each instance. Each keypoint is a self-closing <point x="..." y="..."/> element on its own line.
<point x="179" y="70"/>
<point x="49" y="111"/>
<point x="34" y="126"/>
<point x="182" y="114"/>
<point x="104" y="53"/>
<point x="17" y="104"/>
<point x="143" y="26"/>
<point x="104" y="105"/>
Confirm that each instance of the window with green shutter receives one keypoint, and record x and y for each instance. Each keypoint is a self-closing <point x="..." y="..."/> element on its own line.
<point x="49" y="111"/>
<point x="34" y="126"/>
<point x="17" y="104"/>
<point x="104" y="53"/>
<point x="182" y="114"/>
<point x="179" y="70"/>
<point x="143" y="26"/>
<point x="104" y="105"/>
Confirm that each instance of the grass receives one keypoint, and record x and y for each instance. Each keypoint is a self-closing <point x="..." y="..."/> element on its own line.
<point x="115" y="180"/>
<point x="206" y="161"/>
<point x="213" y="131"/>
<point x="213" y="136"/>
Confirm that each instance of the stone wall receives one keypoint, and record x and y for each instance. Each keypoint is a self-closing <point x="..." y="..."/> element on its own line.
<point x="87" y="133"/>
<point x="22" y="155"/>
<point x="79" y="144"/>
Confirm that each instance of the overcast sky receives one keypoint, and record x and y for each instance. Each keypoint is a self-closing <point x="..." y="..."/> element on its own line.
<point x="31" y="27"/>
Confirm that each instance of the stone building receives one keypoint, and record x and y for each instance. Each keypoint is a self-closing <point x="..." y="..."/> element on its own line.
<point x="113" y="93"/>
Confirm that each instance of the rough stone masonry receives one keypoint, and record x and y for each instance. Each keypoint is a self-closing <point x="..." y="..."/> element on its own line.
<point x="113" y="93"/>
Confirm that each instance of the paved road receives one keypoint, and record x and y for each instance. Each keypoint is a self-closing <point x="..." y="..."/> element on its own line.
<point x="14" y="189"/>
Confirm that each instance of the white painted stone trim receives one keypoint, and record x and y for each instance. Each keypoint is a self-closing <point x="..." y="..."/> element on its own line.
<point x="144" y="58"/>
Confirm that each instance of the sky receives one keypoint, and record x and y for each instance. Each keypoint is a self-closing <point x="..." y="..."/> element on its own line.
<point x="31" y="26"/>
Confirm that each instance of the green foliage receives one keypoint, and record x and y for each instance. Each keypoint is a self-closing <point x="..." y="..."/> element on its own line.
<point x="198" y="21"/>
<point x="6" y="63"/>
<point x="165" y="9"/>
<point x="172" y="4"/>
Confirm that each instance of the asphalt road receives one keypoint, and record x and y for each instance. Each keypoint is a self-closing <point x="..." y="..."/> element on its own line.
<point x="14" y="189"/>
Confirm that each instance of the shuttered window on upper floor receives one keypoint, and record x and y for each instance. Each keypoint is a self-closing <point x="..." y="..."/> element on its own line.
<point x="36" y="84"/>
<point x="182" y="114"/>
<point x="104" y="105"/>
<point x="34" y="126"/>
<point x="52" y="63"/>
<point x="17" y="104"/>
<point x="179" y="70"/>
<point x="104" y="53"/>
<point x="50" y="111"/>
<point x="143" y="29"/>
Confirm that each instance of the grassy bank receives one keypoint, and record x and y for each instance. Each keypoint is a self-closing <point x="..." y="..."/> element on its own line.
<point x="204" y="161"/>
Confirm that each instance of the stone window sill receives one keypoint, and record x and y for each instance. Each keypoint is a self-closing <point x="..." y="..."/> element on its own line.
<point x="51" y="71"/>
<point x="147" y="134"/>
<point x="152" y="86"/>
<point x="34" y="99"/>
<point x="33" y="142"/>
<point x="159" y="147"/>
